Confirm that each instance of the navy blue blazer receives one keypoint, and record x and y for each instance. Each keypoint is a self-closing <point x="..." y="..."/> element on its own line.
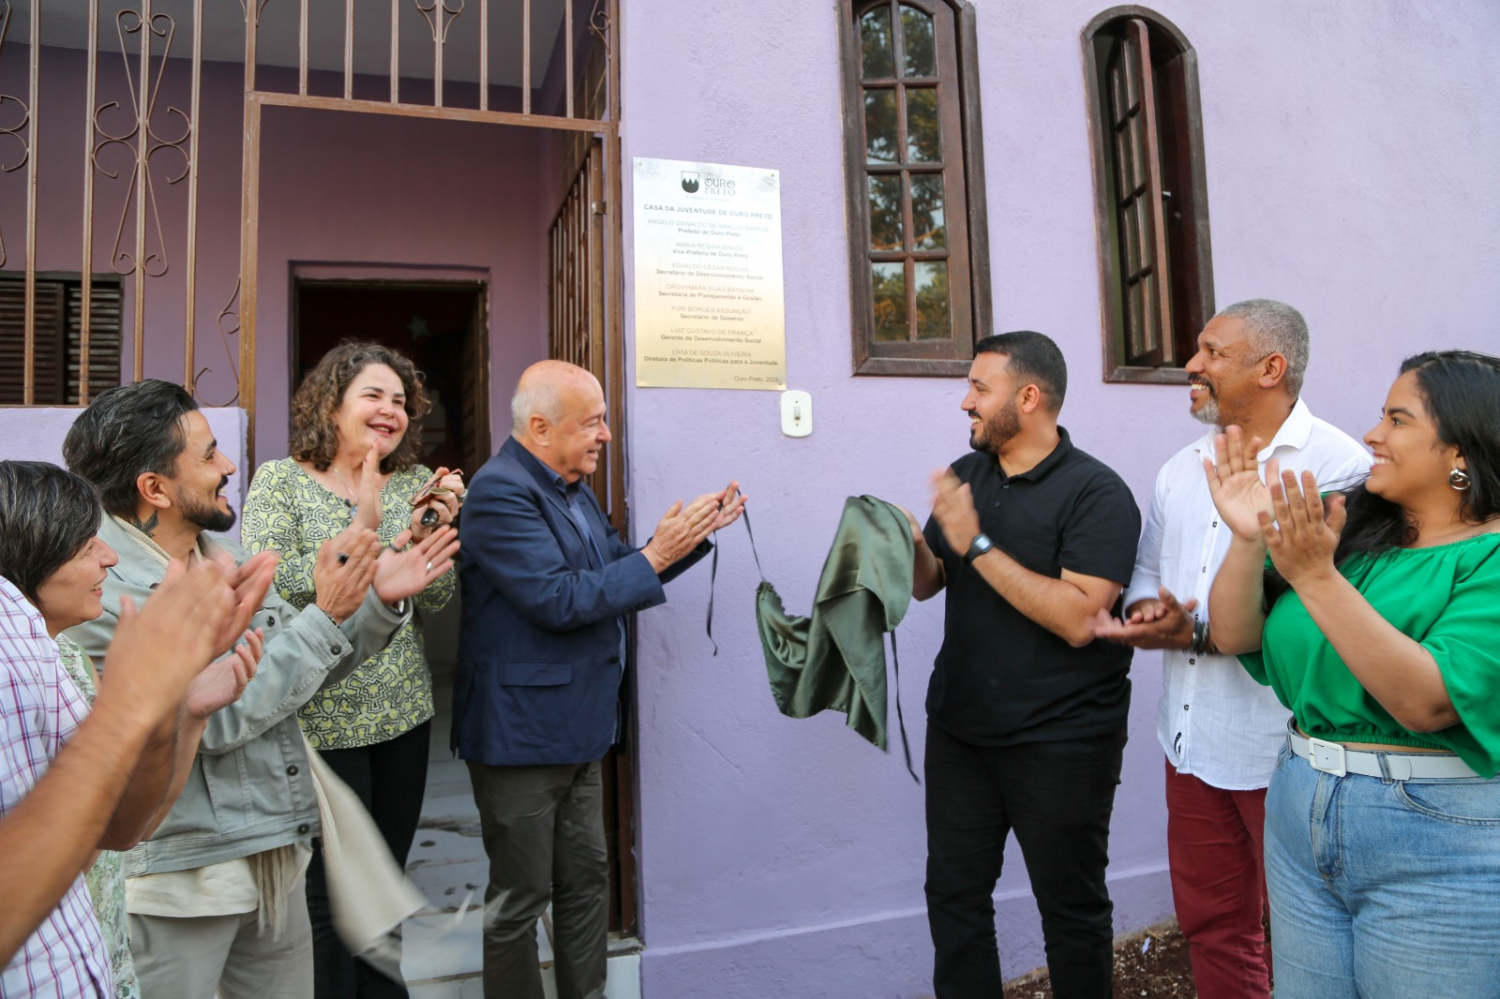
<point x="539" y="644"/>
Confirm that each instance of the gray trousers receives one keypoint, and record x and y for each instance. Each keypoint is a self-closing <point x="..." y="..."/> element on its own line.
<point x="191" y="958"/>
<point x="543" y="830"/>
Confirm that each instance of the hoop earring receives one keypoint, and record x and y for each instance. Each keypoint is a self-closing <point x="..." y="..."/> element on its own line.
<point x="1459" y="480"/>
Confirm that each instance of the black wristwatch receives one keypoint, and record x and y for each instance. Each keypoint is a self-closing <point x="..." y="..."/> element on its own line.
<point x="1201" y="642"/>
<point x="977" y="547"/>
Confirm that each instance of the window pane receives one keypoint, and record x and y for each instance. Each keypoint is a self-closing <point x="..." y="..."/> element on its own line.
<point x="880" y="126"/>
<point x="916" y="36"/>
<point x="890" y="301"/>
<point x="928" y="231"/>
<point x="1125" y="171"/>
<point x="1131" y="237"/>
<point x="1132" y="73"/>
<point x="1138" y="162"/>
<point x="1119" y="110"/>
<point x="1145" y="231"/>
<point x="934" y="321"/>
<point x="923" y="143"/>
<point x="1150" y="331"/>
<point x="885" y="212"/>
<point x="1135" y="331"/>
<point x="876" y="50"/>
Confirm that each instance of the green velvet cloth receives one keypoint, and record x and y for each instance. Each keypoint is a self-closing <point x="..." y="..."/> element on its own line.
<point x="835" y="660"/>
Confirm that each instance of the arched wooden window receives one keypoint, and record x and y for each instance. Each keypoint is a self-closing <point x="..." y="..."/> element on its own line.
<point x="914" y="170"/>
<point x="1151" y="194"/>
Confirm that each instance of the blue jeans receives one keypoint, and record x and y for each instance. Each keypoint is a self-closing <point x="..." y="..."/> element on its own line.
<point x="1382" y="889"/>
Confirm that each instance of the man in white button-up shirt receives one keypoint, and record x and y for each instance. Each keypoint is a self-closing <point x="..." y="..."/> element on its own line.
<point x="1220" y="729"/>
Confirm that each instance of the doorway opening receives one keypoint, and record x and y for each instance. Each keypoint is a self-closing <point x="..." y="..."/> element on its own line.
<point x="440" y="325"/>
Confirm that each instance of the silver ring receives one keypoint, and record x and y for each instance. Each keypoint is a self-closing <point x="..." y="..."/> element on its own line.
<point x="429" y="566"/>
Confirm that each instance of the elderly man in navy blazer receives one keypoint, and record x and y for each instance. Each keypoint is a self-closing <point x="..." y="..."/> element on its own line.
<point x="546" y="587"/>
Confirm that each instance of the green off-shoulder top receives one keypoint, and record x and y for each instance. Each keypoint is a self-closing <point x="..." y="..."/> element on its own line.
<point x="1447" y="598"/>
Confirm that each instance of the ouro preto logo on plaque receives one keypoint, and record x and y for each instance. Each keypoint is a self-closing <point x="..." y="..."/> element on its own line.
<point x="690" y="181"/>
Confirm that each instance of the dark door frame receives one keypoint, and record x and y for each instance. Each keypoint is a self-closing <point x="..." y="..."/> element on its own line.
<point x="477" y="338"/>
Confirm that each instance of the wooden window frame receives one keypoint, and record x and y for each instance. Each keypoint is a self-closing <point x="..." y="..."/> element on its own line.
<point x="56" y="343"/>
<point x="1174" y="115"/>
<point x="972" y="314"/>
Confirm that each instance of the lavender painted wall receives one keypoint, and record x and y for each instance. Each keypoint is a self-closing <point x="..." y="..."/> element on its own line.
<point x="37" y="434"/>
<point x="1352" y="152"/>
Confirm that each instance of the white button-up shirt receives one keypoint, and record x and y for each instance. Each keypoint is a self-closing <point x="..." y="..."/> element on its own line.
<point x="1214" y="721"/>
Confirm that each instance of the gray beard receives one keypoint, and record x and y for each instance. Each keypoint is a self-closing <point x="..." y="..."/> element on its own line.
<point x="1209" y="413"/>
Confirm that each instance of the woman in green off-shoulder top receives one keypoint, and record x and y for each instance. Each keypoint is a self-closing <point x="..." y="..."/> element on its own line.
<point x="1382" y="840"/>
<point x="354" y="460"/>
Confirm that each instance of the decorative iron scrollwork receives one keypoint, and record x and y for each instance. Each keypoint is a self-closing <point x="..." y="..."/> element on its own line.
<point x="13" y="132"/>
<point x="231" y="313"/>
<point x="258" y="8"/>
<point x="440" y="16"/>
<point x="143" y="97"/>
<point x="599" y="23"/>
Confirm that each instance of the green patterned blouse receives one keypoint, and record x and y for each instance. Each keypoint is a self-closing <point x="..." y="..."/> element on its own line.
<point x="106" y="879"/>
<point x="390" y="693"/>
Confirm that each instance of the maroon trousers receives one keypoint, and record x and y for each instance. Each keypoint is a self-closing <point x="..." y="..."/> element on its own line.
<point x="1219" y="884"/>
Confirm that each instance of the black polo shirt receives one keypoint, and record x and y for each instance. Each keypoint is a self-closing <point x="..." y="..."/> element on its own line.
<point x="1001" y="678"/>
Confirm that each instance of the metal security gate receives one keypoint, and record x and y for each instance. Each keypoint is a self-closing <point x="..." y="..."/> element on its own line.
<point x="576" y="306"/>
<point x="144" y="139"/>
<point x="124" y="135"/>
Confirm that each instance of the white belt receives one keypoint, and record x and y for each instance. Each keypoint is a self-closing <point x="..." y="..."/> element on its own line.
<point x="1337" y="759"/>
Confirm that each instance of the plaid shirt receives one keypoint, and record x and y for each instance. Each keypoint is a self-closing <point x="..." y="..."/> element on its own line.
<point x="40" y="708"/>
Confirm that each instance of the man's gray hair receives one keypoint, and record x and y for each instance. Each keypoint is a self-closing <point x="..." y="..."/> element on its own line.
<point x="537" y="395"/>
<point x="1274" y="327"/>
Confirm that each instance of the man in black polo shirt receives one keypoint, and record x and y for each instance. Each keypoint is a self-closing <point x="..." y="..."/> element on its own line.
<point x="1026" y="713"/>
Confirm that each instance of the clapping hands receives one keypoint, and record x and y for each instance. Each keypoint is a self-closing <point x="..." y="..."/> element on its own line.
<point x="402" y="574"/>
<point x="1165" y="623"/>
<point x="953" y="509"/>
<point x="1306" y="531"/>
<point x="1234" y="482"/>
<point x="683" y="528"/>
<point x="1299" y="530"/>
<point x="223" y="681"/>
<point x="159" y="652"/>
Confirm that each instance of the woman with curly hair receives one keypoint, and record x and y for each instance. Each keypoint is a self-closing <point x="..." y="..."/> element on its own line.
<point x="355" y="449"/>
<point x="1377" y="630"/>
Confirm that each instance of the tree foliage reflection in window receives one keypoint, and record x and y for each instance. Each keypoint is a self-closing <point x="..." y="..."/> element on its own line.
<point x="1151" y="199"/>
<point x="914" y="172"/>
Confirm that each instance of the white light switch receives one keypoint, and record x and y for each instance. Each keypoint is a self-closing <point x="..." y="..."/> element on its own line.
<point x="796" y="413"/>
